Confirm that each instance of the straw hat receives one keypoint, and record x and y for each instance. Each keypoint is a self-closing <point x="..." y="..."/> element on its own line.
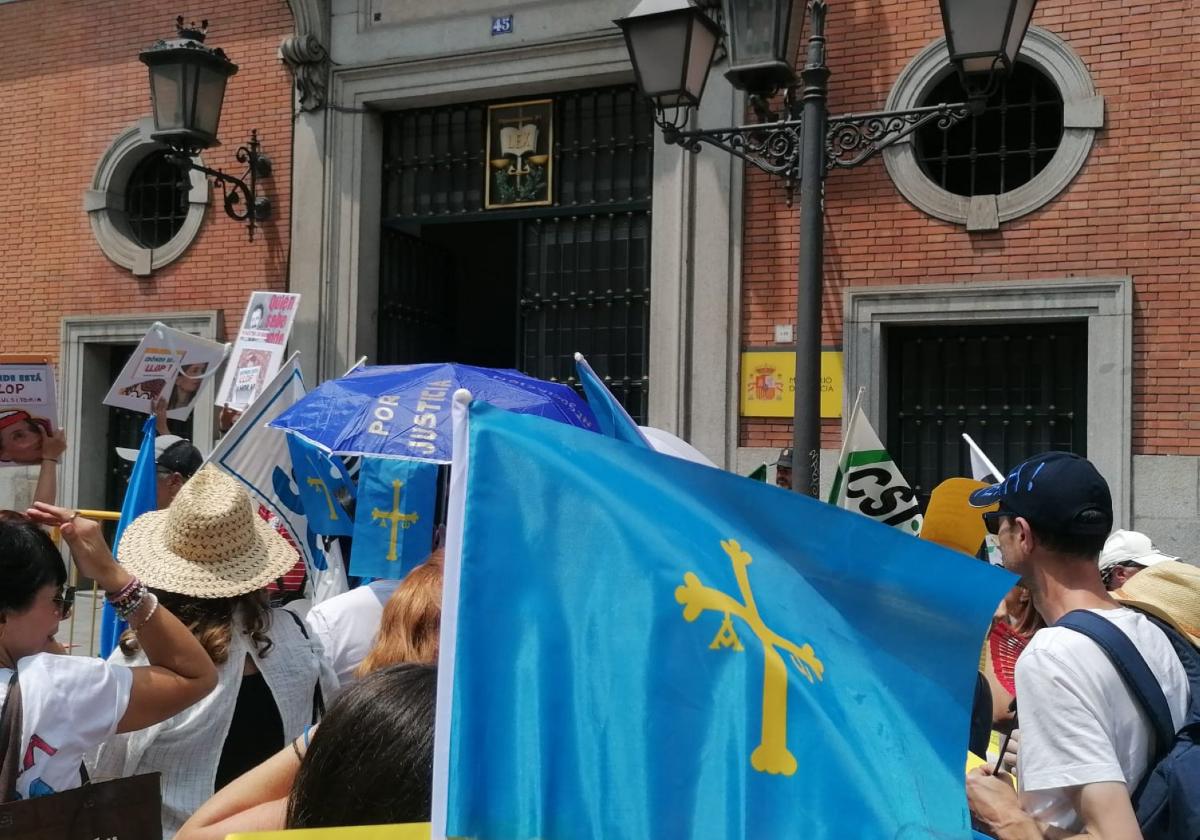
<point x="1170" y="590"/>
<point x="208" y="544"/>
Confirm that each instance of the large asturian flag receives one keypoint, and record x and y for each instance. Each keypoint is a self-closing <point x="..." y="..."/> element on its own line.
<point x="868" y="481"/>
<point x="258" y="457"/>
<point x="636" y="646"/>
<point x="141" y="496"/>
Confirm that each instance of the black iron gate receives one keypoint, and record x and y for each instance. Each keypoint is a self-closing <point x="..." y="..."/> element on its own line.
<point x="579" y="270"/>
<point x="1016" y="389"/>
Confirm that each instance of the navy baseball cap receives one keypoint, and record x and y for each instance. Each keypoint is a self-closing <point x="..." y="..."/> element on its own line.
<point x="1054" y="491"/>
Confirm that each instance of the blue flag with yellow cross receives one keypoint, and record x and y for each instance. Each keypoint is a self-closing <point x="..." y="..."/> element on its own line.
<point x="393" y="523"/>
<point x="636" y="646"/>
<point x="323" y="486"/>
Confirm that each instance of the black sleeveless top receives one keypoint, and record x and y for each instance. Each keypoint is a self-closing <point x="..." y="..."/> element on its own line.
<point x="255" y="734"/>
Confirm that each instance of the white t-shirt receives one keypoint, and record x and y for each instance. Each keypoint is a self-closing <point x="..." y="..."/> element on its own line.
<point x="69" y="704"/>
<point x="1079" y="722"/>
<point x="346" y="625"/>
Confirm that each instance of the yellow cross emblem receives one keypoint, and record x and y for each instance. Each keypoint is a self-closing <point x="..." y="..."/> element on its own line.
<point x="772" y="754"/>
<point x="319" y="483"/>
<point x="394" y="518"/>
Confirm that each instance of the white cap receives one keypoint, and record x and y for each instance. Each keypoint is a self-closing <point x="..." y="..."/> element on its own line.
<point x="1130" y="547"/>
<point x="161" y="444"/>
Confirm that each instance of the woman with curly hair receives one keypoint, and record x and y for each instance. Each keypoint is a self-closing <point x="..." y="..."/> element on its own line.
<point x="208" y="558"/>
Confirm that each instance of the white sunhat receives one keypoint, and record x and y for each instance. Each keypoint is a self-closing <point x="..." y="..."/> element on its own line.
<point x="161" y="444"/>
<point x="1130" y="547"/>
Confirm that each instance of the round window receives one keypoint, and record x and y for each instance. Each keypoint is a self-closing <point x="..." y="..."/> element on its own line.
<point x="1001" y="149"/>
<point x="156" y="200"/>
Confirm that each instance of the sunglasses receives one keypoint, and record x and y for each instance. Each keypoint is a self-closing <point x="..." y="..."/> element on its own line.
<point x="65" y="602"/>
<point x="991" y="520"/>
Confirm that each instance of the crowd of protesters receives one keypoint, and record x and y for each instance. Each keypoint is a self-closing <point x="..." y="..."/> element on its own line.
<point x="261" y="718"/>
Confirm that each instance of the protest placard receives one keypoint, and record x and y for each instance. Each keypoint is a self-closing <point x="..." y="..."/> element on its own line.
<point x="201" y="359"/>
<point x="258" y="351"/>
<point x="148" y="375"/>
<point x="28" y="408"/>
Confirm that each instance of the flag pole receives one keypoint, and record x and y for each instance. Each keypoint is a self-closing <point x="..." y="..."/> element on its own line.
<point x="834" y="489"/>
<point x="862" y="389"/>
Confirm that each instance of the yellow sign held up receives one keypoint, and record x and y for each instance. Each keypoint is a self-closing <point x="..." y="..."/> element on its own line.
<point x="769" y="383"/>
<point x="412" y="831"/>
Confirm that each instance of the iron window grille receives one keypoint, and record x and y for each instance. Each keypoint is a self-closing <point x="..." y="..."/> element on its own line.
<point x="156" y="200"/>
<point x="1002" y="148"/>
<point x="1017" y="390"/>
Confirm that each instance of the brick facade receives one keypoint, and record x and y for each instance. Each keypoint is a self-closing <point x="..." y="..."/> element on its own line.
<point x="1130" y="211"/>
<point x="70" y="82"/>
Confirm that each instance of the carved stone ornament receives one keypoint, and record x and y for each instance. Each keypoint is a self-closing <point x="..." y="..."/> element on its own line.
<point x="308" y="59"/>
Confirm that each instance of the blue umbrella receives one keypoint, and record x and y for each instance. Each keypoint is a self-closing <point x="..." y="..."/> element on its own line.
<point x="403" y="411"/>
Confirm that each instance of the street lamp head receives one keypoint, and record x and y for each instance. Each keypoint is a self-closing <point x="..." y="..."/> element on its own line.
<point x="671" y="44"/>
<point x="187" y="88"/>
<point x="984" y="38"/>
<point x="762" y="46"/>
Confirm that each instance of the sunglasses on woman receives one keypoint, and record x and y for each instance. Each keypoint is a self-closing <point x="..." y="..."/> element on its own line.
<point x="65" y="602"/>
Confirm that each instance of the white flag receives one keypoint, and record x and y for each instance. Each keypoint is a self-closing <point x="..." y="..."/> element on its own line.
<point x="984" y="470"/>
<point x="258" y="457"/>
<point x="869" y="482"/>
<point x="981" y="468"/>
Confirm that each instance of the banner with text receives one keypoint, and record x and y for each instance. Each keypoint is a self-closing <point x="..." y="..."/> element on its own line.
<point x="28" y="408"/>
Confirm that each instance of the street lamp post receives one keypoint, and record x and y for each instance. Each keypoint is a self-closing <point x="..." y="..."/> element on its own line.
<point x="802" y="143"/>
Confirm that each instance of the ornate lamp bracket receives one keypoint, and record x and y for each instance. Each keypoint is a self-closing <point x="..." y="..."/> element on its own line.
<point x="851" y="139"/>
<point x="239" y="195"/>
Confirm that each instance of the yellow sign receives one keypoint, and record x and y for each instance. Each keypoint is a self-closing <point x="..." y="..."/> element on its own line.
<point x="769" y="383"/>
<point x="413" y="831"/>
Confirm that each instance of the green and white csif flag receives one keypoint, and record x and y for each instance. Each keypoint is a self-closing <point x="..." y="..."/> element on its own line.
<point x="869" y="482"/>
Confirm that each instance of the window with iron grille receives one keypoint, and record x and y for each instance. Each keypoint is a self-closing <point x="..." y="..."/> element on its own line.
<point x="156" y="200"/>
<point x="1017" y="390"/>
<point x="579" y="270"/>
<point x="1002" y="148"/>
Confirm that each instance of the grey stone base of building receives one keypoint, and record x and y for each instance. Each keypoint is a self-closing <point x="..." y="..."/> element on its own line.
<point x="1166" y="503"/>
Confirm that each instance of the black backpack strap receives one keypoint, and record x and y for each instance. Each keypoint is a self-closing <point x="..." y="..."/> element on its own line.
<point x="1131" y="666"/>
<point x="10" y="741"/>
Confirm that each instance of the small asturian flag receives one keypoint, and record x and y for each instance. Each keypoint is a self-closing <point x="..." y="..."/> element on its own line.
<point x="869" y="482"/>
<point x="323" y="487"/>
<point x="393" y="520"/>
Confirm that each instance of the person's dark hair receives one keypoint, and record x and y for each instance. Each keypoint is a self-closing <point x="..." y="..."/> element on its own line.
<point x="211" y="621"/>
<point x="29" y="561"/>
<point x="371" y="760"/>
<point x="1083" y="545"/>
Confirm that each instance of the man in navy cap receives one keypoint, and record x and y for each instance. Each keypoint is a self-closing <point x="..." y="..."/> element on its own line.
<point x="1085" y="744"/>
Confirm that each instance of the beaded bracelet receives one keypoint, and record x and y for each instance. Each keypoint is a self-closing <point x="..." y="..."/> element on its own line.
<point x="150" y="599"/>
<point x="124" y="592"/>
<point x="127" y="604"/>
